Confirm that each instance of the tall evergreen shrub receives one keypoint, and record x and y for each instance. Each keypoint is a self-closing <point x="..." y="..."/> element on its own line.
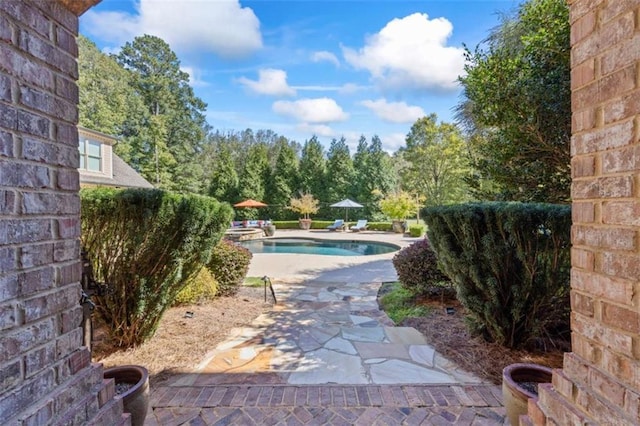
<point x="145" y="244"/>
<point x="510" y="263"/>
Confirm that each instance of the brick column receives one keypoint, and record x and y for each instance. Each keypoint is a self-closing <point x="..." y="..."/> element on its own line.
<point x="46" y="376"/>
<point x="600" y="381"/>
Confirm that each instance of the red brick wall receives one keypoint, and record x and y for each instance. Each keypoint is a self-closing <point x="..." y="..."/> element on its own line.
<point x="600" y="381"/>
<point x="46" y="376"/>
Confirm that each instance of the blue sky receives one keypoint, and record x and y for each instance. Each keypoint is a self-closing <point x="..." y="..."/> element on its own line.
<point x="305" y="67"/>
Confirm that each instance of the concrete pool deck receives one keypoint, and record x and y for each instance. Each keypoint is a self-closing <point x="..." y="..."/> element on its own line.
<point x="326" y="354"/>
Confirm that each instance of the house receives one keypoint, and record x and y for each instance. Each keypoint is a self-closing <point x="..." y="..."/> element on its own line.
<point x="100" y="166"/>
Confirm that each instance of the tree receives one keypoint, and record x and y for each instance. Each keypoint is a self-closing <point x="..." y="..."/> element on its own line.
<point x="177" y="127"/>
<point x="435" y="162"/>
<point x="253" y="177"/>
<point x="517" y="105"/>
<point x="340" y="171"/>
<point x="283" y="179"/>
<point x="313" y="168"/>
<point x="224" y="179"/>
<point x="306" y="204"/>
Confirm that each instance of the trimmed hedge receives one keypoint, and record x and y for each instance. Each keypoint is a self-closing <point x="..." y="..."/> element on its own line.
<point x="510" y="263"/>
<point x="322" y="224"/>
<point x="146" y="244"/>
<point x="416" y="230"/>
<point x="229" y="265"/>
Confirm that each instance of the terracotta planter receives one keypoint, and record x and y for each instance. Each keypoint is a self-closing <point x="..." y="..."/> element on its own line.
<point x="518" y="383"/>
<point x="304" y="224"/>
<point x="397" y="226"/>
<point x="136" y="398"/>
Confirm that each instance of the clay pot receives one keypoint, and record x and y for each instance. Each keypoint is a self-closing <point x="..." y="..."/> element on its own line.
<point x="304" y="223"/>
<point x="517" y="383"/>
<point x="136" y="398"/>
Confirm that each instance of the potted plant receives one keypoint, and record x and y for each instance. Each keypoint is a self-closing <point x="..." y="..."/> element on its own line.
<point x="132" y="386"/>
<point x="397" y="207"/>
<point x="519" y="384"/>
<point x="306" y="204"/>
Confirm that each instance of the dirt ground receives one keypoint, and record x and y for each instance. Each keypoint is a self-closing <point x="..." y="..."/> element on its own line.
<point x="187" y="333"/>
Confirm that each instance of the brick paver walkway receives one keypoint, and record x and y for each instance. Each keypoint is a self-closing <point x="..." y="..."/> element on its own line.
<point x="370" y="405"/>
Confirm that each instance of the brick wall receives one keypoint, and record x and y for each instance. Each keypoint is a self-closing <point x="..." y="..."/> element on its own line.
<point x="46" y="376"/>
<point x="600" y="381"/>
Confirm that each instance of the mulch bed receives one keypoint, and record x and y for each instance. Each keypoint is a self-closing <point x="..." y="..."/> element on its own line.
<point x="448" y="334"/>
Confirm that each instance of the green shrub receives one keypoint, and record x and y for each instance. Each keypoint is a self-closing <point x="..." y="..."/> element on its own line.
<point x="399" y="303"/>
<point x="417" y="268"/>
<point x="229" y="265"/>
<point x="379" y="226"/>
<point x="203" y="286"/>
<point x="416" y="230"/>
<point x="146" y="244"/>
<point x="286" y="224"/>
<point x="510" y="264"/>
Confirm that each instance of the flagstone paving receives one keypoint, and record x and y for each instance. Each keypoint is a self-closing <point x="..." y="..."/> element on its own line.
<point x="326" y="354"/>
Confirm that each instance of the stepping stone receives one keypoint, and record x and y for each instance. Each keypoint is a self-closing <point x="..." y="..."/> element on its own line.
<point x="324" y="366"/>
<point x="395" y="371"/>
<point x="362" y="334"/>
<point x="381" y="350"/>
<point x="339" y="344"/>
<point x="405" y="336"/>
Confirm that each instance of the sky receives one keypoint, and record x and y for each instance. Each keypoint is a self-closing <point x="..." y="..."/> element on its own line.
<point x="303" y="67"/>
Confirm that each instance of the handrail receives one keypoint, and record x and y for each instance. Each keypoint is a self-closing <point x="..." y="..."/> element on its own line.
<point x="273" y="293"/>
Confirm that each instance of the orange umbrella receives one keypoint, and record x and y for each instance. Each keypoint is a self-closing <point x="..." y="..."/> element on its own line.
<point x="250" y="203"/>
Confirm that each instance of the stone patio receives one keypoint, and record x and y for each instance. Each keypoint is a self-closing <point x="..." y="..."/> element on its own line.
<point x="325" y="354"/>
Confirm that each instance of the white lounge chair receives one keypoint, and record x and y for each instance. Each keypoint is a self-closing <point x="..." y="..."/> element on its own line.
<point x="337" y="225"/>
<point x="360" y="226"/>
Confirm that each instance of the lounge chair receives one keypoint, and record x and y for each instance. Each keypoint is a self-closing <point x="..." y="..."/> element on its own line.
<point x="360" y="226"/>
<point x="338" y="224"/>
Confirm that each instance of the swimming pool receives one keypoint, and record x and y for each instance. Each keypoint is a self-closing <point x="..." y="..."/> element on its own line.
<point x="322" y="247"/>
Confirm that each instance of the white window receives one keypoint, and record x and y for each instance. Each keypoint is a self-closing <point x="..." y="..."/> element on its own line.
<point x="90" y="155"/>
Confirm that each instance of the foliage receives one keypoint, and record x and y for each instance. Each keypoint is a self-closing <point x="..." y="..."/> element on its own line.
<point x="436" y="162"/>
<point x="417" y="268"/>
<point x="374" y="174"/>
<point x="223" y="184"/>
<point x="146" y="244"/>
<point x="416" y="230"/>
<point x="283" y="180"/>
<point x="253" y="178"/>
<point x="229" y="265"/>
<point x="379" y="226"/>
<point x="313" y="168"/>
<point x="510" y="264"/>
<point x="399" y="304"/>
<point x="340" y="171"/>
<point x="397" y="205"/>
<point x="107" y="102"/>
<point x="305" y="205"/>
<point x="517" y="105"/>
<point x="175" y="131"/>
<point x="202" y="286"/>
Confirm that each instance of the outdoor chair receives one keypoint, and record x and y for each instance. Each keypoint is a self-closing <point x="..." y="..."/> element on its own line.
<point x="337" y="225"/>
<point x="360" y="226"/>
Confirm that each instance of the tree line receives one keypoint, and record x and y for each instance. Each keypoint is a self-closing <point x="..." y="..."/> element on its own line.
<point x="511" y="141"/>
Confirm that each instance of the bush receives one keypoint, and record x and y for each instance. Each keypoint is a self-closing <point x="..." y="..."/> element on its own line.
<point x="379" y="226"/>
<point x="416" y="230"/>
<point x="417" y="268"/>
<point x="203" y="286"/>
<point x="146" y="244"/>
<point x="229" y="265"/>
<point x="510" y="264"/>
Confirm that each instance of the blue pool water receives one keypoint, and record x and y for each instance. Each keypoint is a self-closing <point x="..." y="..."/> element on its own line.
<point x="323" y="247"/>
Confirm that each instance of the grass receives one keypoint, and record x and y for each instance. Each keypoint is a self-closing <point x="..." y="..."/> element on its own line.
<point x="399" y="304"/>
<point x="253" y="282"/>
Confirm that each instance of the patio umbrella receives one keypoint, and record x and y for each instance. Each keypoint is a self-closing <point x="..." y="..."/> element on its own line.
<point x="250" y="203"/>
<point x="347" y="204"/>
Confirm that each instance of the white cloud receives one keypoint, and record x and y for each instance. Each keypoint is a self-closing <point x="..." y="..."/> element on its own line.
<point x="350" y="88"/>
<point x="394" y="112"/>
<point x="195" y="76"/>
<point x="324" y="55"/>
<point x="223" y="27"/>
<point x="410" y="53"/>
<point x="270" y="82"/>
<point x="316" y="129"/>
<point x="318" y="110"/>
<point x="393" y="142"/>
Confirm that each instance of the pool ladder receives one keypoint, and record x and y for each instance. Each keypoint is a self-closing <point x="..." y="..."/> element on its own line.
<point x="273" y="293"/>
